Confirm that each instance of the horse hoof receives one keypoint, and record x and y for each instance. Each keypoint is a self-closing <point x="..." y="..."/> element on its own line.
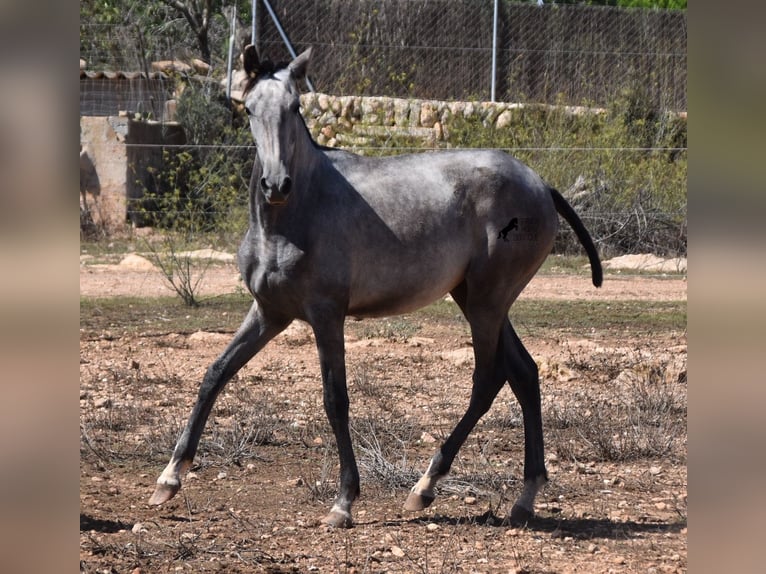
<point x="163" y="493"/>
<point x="417" y="501"/>
<point x="338" y="519"/>
<point x="520" y="516"/>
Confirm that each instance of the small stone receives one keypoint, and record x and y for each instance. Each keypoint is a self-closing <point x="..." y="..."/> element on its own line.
<point x="592" y="548"/>
<point x="191" y="476"/>
<point x="137" y="571"/>
<point x="318" y="441"/>
<point x="138" y="527"/>
<point x="655" y="470"/>
<point x="221" y="475"/>
<point x="619" y="560"/>
<point x="661" y="506"/>
<point x="470" y="500"/>
<point x="427" y="438"/>
<point x="432" y="527"/>
<point x="396" y="551"/>
<point x="103" y="403"/>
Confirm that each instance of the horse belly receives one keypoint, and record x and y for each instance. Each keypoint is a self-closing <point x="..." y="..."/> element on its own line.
<point x="398" y="286"/>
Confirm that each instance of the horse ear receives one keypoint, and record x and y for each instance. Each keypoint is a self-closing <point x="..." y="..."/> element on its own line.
<point x="300" y="64"/>
<point x="252" y="64"/>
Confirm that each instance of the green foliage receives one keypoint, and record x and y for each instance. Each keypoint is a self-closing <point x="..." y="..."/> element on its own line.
<point x="202" y="188"/>
<point x="199" y="192"/>
<point x="625" y="169"/>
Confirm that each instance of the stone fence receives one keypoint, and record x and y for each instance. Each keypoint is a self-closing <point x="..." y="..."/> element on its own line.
<point x="352" y="121"/>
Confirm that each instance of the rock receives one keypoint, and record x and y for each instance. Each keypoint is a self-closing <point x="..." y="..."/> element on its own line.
<point x="647" y="262"/>
<point x="427" y="438"/>
<point x="428" y="115"/>
<point x="138" y="527"/>
<point x="458" y="357"/>
<point x="104" y="403"/>
<point x="432" y="527"/>
<point x="503" y="120"/>
<point x="419" y="341"/>
<point x="136" y="263"/>
<point x="396" y="551"/>
<point x="470" y="500"/>
<point x="200" y="67"/>
<point x="209" y="338"/>
<point x="170" y="66"/>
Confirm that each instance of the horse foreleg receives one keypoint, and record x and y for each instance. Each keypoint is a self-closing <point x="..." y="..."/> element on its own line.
<point x="329" y="338"/>
<point x="256" y="330"/>
<point x="488" y="379"/>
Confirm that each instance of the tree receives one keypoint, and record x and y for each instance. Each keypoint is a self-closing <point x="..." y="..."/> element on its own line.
<point x="197" y="14"/>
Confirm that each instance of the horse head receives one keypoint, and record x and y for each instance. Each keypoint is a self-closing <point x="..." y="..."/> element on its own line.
<point x="272" y="102"/>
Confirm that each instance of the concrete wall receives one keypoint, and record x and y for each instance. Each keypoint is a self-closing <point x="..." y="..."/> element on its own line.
<point x="114" y="144"/>
<point x="104" y="139"/>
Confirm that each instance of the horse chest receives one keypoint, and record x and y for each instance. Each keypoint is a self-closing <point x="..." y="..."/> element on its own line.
<point x="272" y="270"/>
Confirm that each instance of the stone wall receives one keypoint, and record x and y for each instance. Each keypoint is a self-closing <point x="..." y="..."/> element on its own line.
<point x="335" y="121"/>
<point x="349" y="121"/>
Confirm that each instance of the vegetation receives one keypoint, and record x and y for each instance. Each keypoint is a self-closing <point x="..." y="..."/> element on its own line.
<point x="659" y="4"/>
<point x="123" y="316"/>
<point x="197" y="194"/>
<point x="624" y="168"/>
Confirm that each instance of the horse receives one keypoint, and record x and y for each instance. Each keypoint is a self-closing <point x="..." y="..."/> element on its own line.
<point x="334" y="235"/>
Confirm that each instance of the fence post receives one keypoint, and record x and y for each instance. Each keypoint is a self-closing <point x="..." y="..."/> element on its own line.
<point x="253" y="27"/>
<point x="283" y="34"/>
<point x="231" y="52"/>
<point x="494" y="52"/>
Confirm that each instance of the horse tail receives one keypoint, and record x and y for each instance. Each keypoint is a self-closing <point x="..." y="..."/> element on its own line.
<point x="567" y="212"/>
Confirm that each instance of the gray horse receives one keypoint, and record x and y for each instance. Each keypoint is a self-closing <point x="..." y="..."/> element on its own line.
<point x="334" y="235"/>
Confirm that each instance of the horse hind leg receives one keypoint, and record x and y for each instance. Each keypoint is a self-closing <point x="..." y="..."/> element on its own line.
<point x="522" y="375"/>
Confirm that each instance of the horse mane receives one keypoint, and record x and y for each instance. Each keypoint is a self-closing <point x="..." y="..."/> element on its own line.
<point x="265" y="68"/>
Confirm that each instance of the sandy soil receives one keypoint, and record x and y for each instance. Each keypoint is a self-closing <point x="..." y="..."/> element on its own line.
<point x="266" y="470"/>
<point x="121" y="280"/>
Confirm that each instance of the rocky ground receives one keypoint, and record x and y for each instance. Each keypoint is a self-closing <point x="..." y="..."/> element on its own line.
<point x="614" y="404"/>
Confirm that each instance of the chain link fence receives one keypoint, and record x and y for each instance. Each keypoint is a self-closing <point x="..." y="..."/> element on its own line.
<point x="441" y="49"/>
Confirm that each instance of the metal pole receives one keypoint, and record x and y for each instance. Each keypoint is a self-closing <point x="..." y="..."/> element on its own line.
<point x="494" y="53"/>
<point x="231" y="51"/>
<point x="285" y="39"/>
<point x="253" y="30"/>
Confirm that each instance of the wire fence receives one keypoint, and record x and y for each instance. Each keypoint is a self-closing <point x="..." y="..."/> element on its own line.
<point x="441" y="49"/>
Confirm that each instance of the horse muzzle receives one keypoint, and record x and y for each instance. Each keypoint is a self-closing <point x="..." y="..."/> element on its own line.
<point x="276" y="193"/>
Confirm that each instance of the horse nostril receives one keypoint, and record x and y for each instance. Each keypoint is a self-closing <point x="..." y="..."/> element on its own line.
<point x="287" y="184"/>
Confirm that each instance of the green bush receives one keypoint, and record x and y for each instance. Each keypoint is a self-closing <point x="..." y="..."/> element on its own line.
<point x="624" y="170"/>
<point x="201" y="187"/>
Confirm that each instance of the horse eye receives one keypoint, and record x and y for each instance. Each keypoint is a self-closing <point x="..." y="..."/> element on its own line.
<point x="248" y="112"/>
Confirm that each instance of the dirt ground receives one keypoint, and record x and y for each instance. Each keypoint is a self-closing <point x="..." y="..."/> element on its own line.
<point x="614" y="405"/>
